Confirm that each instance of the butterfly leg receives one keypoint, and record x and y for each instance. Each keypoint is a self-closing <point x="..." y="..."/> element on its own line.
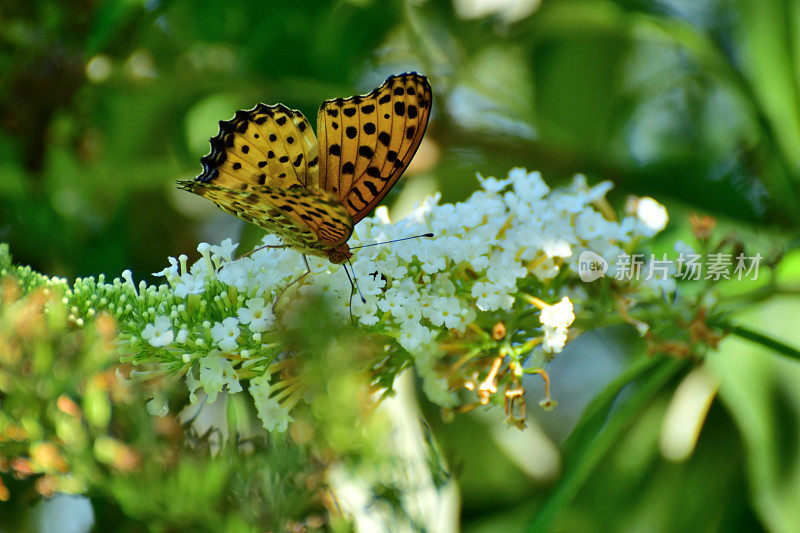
<point x="298" y="280"/>
<point x="353" y="289"/>
<point x="254" y="250"/>
<point x="352" y="293"/>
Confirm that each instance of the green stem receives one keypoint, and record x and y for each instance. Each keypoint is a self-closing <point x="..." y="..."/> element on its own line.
<point x="759" y="338"/>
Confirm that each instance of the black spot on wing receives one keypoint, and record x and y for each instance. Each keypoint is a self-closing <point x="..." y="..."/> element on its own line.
<point x="371" y="186"/>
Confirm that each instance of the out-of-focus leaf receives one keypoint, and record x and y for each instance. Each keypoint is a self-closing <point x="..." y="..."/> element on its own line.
<point x="595" y="435"/>
<point x="109" y="17"/>
<point x="762" y="393"/>
<point x="770" y="52"/>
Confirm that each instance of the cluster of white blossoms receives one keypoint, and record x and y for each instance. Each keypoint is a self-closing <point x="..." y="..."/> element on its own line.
<point x="416" y="290"/>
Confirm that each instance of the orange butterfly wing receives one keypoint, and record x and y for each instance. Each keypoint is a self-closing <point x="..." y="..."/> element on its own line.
<point x="366" y="142"/>
<point x="267" y="145"/>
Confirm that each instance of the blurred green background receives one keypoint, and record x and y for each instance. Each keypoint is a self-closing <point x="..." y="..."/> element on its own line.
<point x="104" y="104"/>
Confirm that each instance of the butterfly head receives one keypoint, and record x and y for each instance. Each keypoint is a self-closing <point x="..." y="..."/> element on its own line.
<point x="340" y="254"/>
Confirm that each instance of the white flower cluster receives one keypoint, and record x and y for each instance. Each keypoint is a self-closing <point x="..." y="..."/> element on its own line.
<point x="511" y="229"/>
<point x="415" y="290"/>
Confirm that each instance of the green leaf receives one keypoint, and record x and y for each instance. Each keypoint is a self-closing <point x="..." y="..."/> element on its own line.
<point x="762" y="393"/>
<point x="596" y="433"/>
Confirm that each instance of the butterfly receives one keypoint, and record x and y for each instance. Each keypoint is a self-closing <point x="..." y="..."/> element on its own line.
<point x="268" y="168"/>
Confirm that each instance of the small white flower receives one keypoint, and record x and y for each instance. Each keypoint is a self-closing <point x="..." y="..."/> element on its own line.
<point x="528" y="185"/>
<point x="414" y="335"/>
<point x="366" y="312"/>
<point x="225" y="249"/>
<point x="592" y="194"/>
<point x="421" y="211"/>
<point x="559" y="315"/>
<point x="393" y="301"/>
<point x="493" y="185"/>
<point x="189" y="284"/>
<point x="257" y="315"/>
<point x="159" y="333"/>
<point x="171" y="271"/>
<point x="237" y="273"/>
<point x="382" y="214"/>
<point x="650" y="213"/>
<point x="554" y="339"/>
<point x="216" y="372"/>
<point x="546" y="269"/>
<point x="556" y="248"/>
<point x="225" y="333"/>
<point x="490" y="297"/>
<point x="591" y="225"/>
<point x="504" y="269"/>
<point x="444" y="312"/>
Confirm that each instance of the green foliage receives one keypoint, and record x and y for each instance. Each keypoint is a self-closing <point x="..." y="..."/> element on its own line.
<point x="69" y="423"/>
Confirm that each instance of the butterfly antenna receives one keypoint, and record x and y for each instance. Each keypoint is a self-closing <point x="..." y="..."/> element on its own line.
<point x="353" y="282"/>
<point x="389" y="242"/>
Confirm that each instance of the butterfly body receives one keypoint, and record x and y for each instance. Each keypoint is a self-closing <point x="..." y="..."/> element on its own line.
<point x="267" y="167"/>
